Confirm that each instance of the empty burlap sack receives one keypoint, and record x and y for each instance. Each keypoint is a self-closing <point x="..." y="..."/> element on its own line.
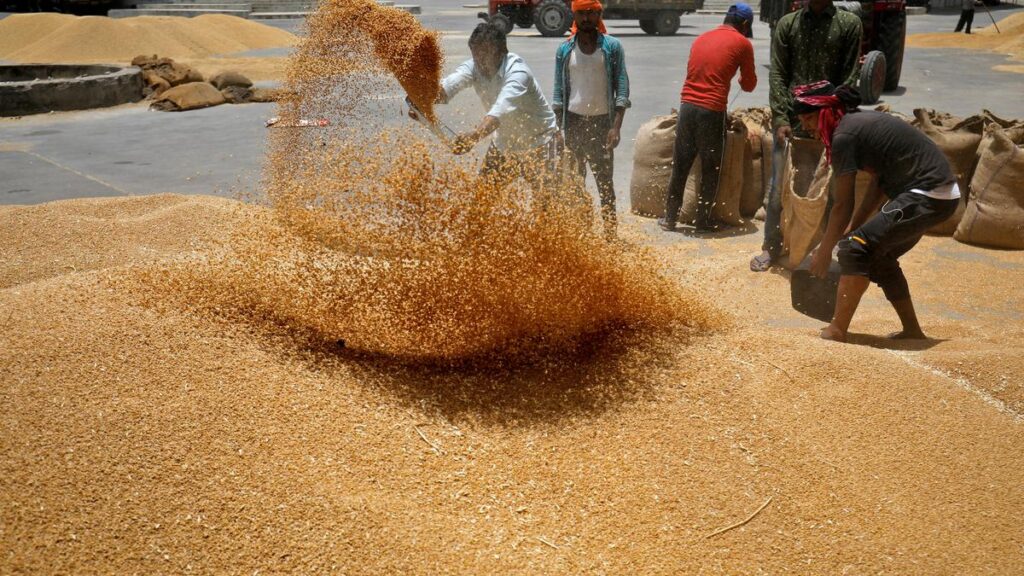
<point x="224" y="79"/>
<point x="995" y="213"/>
<point x="652" y="165"/>
<point x="806" y="178"/>
<point x="730" y="180"/>
<point x="188" y="97"/>
<point x="959" y="144"/>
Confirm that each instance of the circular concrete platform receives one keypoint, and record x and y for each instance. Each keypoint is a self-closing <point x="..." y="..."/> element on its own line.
<point x="39" y="88"/>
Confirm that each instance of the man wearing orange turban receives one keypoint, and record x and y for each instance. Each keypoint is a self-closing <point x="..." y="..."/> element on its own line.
<point x="588" y="6"/>
<point x="590" y="99"/>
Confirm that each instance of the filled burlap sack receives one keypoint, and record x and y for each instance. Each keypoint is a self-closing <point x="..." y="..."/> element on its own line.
<point x="236" y="94"/>
<point x="959" y="144"/>
<point x="757" y="176"/>
<point x="652" y="165"/>
<point x="806" y="179"/>
<point x="225" y="79"/>
<point x="995" y="213"/>
<point x="934" y="118"/>
<point x="153" y="84"/>
<point x="730" y="180"/>
<point x="188" y="97"/>
<point x="269" y="94"/>
<point x="758" y="124"/>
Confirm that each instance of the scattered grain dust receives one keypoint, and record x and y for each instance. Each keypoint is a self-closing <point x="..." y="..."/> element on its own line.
<point x="51" y="37"/>
<point x="158" y="413"/>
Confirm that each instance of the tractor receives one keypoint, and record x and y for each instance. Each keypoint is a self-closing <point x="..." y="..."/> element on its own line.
<point x="885" y="33"/>
<point x="554" y="17"/>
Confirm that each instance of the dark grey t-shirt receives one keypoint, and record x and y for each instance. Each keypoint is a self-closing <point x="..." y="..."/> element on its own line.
<point x="902" y="156"/>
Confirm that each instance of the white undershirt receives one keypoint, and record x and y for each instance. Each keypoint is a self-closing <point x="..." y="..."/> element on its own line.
<point x="588" y="83"/>
<point x="947" y="192"/>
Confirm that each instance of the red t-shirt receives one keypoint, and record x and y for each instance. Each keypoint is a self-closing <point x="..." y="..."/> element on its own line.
<point x="714" y="58"/>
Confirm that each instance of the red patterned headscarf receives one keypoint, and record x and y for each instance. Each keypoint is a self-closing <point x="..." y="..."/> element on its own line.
<point x="581" y="5"/>
<point x="831" y="103"/>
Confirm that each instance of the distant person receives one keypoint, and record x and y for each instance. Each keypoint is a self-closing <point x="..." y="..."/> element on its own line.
<point x="715" y="56"/>
<point x="518" y="114"/>
<point x="966" y="16"/>
<point x="907" y="167"/>
<point x="817" y="42"/>
<point x="590" y="99"/>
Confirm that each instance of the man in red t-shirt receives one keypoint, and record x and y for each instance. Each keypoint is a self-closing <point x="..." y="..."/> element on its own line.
<point x="715" y="57"/>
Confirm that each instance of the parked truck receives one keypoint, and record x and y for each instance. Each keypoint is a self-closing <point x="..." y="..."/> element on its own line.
<point x="554" y="17"/>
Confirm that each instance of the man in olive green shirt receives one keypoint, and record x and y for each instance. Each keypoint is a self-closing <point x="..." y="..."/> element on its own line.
<point x="817" y="42"/>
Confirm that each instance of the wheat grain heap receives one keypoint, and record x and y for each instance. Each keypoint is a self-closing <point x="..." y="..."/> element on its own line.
<point x="173" y="401"/>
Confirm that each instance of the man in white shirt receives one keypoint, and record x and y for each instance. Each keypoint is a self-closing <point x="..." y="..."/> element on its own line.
<point x="518" y="114"/>
<point x="591" y="96"/>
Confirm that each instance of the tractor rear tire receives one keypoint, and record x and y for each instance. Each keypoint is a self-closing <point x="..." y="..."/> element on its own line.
<point x="502" y="21"/>
<point x="666" y="23"/>
<point x="523" y="18"/>
<point x="552" y="18"/>
<point x="872" y="77"/>
<point x="892" y="37"/>
<point x="647" y="25"/>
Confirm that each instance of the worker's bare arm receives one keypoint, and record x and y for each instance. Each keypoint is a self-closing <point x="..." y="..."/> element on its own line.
<point x="838" y="220"/>
<point x="464" y="142"/>
<point x="873" y="198"/>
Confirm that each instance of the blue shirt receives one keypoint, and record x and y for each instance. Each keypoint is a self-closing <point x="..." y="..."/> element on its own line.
<point x="514" y="97"/>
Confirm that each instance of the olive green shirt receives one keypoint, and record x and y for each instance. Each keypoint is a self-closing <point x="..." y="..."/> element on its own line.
<point x="808" y="48"/>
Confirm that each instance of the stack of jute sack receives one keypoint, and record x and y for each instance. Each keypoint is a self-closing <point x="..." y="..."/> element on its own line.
<point x="984" y="152"/>
<point x="175" y="86"/>
<point x="986" y="156"/>
<point x="741" y="185"/>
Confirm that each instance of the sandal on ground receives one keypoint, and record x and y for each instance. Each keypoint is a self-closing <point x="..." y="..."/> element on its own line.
<point x="761" y="262"/>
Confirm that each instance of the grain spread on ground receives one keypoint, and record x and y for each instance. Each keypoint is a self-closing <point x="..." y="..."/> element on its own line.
<point x="1009" y="40"/>
<point x="172" y="401"/>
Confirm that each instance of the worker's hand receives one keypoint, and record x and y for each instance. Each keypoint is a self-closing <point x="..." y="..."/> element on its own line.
<point x="820" y="261"/>
<point x="613" y="139"/>
<point x="783" y="133"/>
<point x="463" y="143"/>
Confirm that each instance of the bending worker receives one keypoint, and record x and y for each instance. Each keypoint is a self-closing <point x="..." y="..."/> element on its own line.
<point x="518" y="114"/>
<point x="715" y="57"/>
<point x="906" y="166"/>
<point x="590" y="99"/>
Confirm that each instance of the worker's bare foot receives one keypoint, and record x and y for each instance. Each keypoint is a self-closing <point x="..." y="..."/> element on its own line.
<point x="832" y="333"/>
<point x="908" y="335"/>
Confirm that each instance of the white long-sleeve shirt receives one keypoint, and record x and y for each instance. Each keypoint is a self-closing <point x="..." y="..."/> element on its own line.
<point x="514" y="97"/>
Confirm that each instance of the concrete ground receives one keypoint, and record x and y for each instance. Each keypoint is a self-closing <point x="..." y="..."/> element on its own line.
<point x="130" y="150"/>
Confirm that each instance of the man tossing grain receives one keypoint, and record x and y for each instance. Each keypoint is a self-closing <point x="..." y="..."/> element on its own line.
<point x="518" y="114"/>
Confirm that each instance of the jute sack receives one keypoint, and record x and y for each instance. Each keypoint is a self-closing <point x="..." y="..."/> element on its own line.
<point x="805" y="184"/>
<point x="652" y="165"/>
<point x="228" y="78"/>
<point x="995" y="213"/>
<point x="730" y="180"/>
<point x="188" y="97"/>
<point x="959" y="144"/>
<point x="755" y="178"/>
